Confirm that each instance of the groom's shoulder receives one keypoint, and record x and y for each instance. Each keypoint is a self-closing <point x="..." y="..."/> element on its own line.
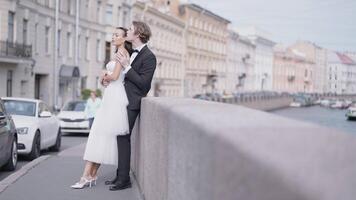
<point x="150" y="53"/>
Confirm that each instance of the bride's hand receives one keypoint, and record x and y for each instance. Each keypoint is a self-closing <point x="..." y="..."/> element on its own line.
<point x="103" y="73"/>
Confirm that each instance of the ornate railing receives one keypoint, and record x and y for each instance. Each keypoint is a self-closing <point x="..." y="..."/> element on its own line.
<point x="15" y="49"/>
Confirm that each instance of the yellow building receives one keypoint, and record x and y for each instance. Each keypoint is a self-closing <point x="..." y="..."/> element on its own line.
<point x="168" y="44"/>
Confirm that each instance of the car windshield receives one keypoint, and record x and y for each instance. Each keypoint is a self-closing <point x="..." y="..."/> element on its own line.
<point x="15" y="107"/>
<point x="74" y="106"/>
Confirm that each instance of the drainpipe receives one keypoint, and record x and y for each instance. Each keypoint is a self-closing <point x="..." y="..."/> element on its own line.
<point x="77" y="34"/>
<point x="55" y="79"/>
<point x="76" y="60"/>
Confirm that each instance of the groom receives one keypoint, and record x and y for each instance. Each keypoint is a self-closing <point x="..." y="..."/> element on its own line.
<point x="138" y="69"/>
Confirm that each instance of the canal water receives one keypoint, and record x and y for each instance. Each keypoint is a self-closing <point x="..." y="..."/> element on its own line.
<point x="334" y="118"/>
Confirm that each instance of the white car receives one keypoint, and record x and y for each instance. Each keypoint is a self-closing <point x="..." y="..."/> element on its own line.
<point x="72" y="118"/>
<point x="351" y="112"/>
<point x="37" y="128"/>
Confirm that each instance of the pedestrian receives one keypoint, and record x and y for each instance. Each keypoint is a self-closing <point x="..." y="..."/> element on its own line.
<point x="92" y="105"/>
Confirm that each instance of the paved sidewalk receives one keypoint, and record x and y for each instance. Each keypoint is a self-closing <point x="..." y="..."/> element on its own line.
<point x="51" y="179"/>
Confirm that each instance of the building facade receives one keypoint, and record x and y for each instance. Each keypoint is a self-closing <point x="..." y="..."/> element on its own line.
<point x="263" y="69"/>
<point x="66" y="48"/>
<point x="168" y="44"/>
<point x="206" y="42"/>
<point x="240" y="63"/>
<point x="317" y="55"/>
<point x="291" y="71"/>
<point x="341" y="73"/>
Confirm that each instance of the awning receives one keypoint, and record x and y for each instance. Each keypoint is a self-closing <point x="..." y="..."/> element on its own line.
<point x="69" y="71"/>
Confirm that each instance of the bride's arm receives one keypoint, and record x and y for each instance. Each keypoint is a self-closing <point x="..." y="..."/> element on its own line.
<point x="115" y="75"/>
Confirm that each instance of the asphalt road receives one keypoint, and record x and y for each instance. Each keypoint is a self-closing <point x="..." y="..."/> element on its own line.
<point x="68" y="140"/>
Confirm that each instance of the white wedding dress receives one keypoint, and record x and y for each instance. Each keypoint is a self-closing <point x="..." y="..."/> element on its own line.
<point x="110" y="120"/>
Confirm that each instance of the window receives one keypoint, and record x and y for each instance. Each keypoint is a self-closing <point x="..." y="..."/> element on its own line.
<point x="2" y="110"/>
<point x="70" y="44"/>
<point x="47" y="39"/>
<point x="9" y="84"/>
<point x="15" y="107"/>
<point x="35" y="38"/>
<point x="118" y="15"/>
<point x="59" y="43"/>
<point x="10" y="33"/>
<point x="47" y="3"/>
<point x="98" y="9"/>
<point x="24" y="31"/>
<point x="124" y="18"/>
<point x="87" y="47"/>
<point x="86" y="9"/>
<point x="24" y="88"/>
<point x="83" y="82"/>
<point x="98" y="50"/>
<point x="108" y="15"/>
<point x="69" y="6"/>
<point x="79" y="47"/>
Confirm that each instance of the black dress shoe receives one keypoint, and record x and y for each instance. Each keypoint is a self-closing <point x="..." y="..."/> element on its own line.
<point x="120" y="185"/>
<point x="111" y="182"/>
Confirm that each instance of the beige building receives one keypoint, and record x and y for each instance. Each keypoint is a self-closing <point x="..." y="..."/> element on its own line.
<point x="206" y="41"/>
<point x="240" y="63"/>
<point x="52" y="57"/>
<point x="117" y="14"/>
<point x="168" y="44"/>
<point x="317" y="55"/>
<point x="291" y="71"/>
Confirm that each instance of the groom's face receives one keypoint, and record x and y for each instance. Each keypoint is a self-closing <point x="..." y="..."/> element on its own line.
<point x="131" y="34"/>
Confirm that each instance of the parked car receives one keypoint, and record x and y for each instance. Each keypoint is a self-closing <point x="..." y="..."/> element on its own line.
<point x="351" y="112"/>
<point x="72" y="118"/>
<point x="8" y="140"/>
<point x="37" y="127"/>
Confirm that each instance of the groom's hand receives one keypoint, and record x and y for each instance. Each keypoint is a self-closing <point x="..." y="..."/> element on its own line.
<point x="123" y="59"/>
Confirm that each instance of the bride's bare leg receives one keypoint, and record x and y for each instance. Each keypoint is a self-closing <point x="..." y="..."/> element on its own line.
<point x="87" y="169"/>
<point x="94" y="170"/>
<point x="86" y="179"/>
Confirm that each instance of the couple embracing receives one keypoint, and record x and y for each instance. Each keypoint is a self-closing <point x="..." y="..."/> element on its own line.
<point x="127" y="79"/>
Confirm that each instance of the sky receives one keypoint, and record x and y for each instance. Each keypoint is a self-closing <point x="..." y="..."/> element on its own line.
<point x="328" y="23"/>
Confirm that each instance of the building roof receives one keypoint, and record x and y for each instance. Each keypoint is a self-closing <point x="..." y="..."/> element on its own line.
<point x="345" y="59"/>
<point x="208" y="12"/>
<point x="340" y="58"/>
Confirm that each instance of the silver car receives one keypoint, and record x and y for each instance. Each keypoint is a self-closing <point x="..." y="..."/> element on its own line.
<point x="8" y="140"/>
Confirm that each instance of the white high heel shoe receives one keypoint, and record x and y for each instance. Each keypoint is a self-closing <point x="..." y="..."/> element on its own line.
<point x="84" y="182"/>
<point x="94" y="179"/>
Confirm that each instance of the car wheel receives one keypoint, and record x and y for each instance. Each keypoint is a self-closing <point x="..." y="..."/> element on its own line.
<point x="57" y="146"/>
<point x="11" y="164"/>
<point x="36" y="147"/>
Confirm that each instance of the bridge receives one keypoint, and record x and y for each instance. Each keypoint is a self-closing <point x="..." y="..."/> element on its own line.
<point x="194" y="149"/>
<point x="187" y="149"/>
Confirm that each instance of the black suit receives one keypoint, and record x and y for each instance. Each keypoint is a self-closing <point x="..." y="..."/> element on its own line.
<point x="137" y="84"/>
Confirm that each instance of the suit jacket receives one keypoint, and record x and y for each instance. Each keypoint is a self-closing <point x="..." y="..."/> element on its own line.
<point x="138" y="79"/>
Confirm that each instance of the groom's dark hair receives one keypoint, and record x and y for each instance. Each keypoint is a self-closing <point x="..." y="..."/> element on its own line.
<point x="142" y="30"/>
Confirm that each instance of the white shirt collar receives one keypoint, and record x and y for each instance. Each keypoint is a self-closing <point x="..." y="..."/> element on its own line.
<point x="141" y="47"/>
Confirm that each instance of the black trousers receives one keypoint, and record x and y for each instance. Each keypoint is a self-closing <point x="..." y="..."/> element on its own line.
<point x="124" y="148"/>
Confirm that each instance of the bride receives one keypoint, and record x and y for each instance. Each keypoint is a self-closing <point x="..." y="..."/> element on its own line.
<point x="111" y="118"/>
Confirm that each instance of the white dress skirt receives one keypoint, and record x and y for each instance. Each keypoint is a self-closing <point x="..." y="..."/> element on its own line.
<point x="110" y="121"/>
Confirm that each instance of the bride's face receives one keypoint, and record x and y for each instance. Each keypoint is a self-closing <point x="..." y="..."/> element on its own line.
<point x="118" y="37"/>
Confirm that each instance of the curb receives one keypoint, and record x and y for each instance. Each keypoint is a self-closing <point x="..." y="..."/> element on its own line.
<point x="18" y="174"/>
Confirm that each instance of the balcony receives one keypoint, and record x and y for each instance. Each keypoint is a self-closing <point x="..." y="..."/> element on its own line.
<point x="15" y="50"/>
